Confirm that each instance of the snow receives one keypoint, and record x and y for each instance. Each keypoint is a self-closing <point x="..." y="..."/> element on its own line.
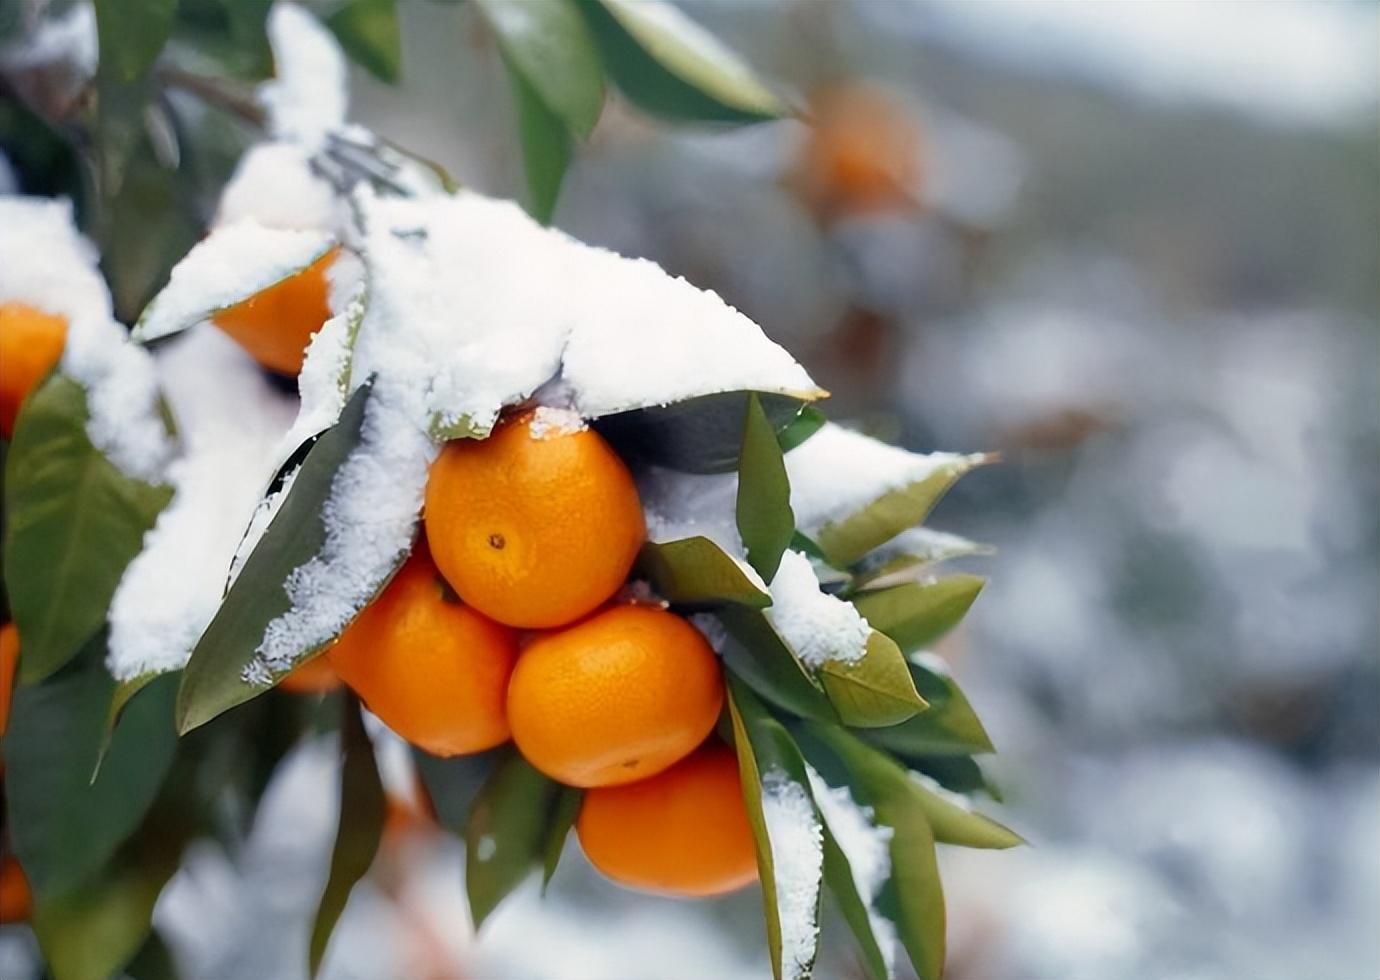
<point x="230" y="420"/>
<point x="924" y="545"/>
<point x="68" y="39"/>
<point x="275" y="185"/>
<point x="818" y="627"/>
<point x="838" y="472"/>
<point x="867" y="847"/>
<point x="797" y="854"/>
<point x="308" y="97"/>
<point x="548" y="423"/>
<point x="230" y="264"/>
<point x="682" y="505"/>
<point x="46" y="264"/>
<point x="932" y="662"/>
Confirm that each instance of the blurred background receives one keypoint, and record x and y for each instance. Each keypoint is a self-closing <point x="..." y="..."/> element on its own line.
<point x="1134" y="248"/>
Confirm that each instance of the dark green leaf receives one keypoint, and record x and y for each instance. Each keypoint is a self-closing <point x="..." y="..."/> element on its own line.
<point x="368" y="31"/>
<point x="546" y="149"/>
<point x="839" y="877"/>
<point x="754" y="652"/>
<point x="214" y="680"/>
<point x="799" y="429"/>
<point x="949" y="727"/>
<point x="669" y="66"/>
<point x="73" y="522"/>
<point x="453" y="784"/>
<point x="765" y="520"/>
<point x="506" y="837"/>
<point x="873" y="692"/>
<point x="697" y="572"/>
<point x="563" y="814"/>
<point x="130" y="35"/>
<point x="154" y="961"/>
<point x="62" y="825"/>
<point x="92" y="932"/>
<point x="916" y="614"/>
<point x="357" y="837"/>
<point x="547" y="44"/>
<point x="960" y="773"/>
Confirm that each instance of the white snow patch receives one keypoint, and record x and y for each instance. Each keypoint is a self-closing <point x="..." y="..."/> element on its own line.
<point x="548" y="423"/>
<point x="713" y="630"/>
<point x="230" y="264"/>
<point x="327" y="366"/>
<point x="46" y="264"/>
<point x="867" y="847"/>
<point x="838" y="472"/>
<point x="231" y="420"/>
<point x="264" y="513"/>
<point x="308" y="96"/>
<point x="275" y="185"/>
<point x="932" y="662"/>
<point x="684" y="505"/>
<point x="486" y="848"/>
<point x="817" y="626"/>
<point x="923" y="544"/>
<point x="68" y="39"/>
<point x="797" y="854"/>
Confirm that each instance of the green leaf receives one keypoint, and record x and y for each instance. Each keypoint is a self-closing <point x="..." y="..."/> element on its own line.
<point x="809" y="421"/>
<point x="73" y="522"/>
<point x="563" y="814"/>
<point x="765" y="520"/>
<point x="754" y="652"/>
<point x="506" y="837"/>
<point x="453" y="783"/>
<point x="93" y="932"/>
<point x="62" y="825"/>
<point x="838" y="875"/>
<point x="875" y="691"/>
<point x="357" y="837"/>
<point x="913" y="897"/>
<point x="916" y="614"/>
<point x="154" y="961"/>
<point x="123" y="693"/>
<point x="669" y="66"/>
<point x="214" y="680"/>
<point x="764" y="749"/>
<point x="697" y="572"/>
<point x="904" y="557"/>
<point x="954" y="822"/>
<point x="949" y="727"/>
<point x="959" y="773"/>
<point x="368" y="31"/>
<point x="130" y="34"/>
<point x="546" y="149"/>
<point x="847" y="541"/>
<point x="548" y="46"/>
<point x="698" y="435"/>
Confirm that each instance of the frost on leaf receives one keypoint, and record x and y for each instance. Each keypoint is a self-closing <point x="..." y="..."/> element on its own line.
<point x="820" y="628"/>
<point x="308" y="96"/>
<point x="275" y="185"/>
<point x="46" y="264"/>
<point x="797" y="854"/>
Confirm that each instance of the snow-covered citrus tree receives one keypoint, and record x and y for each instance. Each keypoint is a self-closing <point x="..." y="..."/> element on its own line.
<point x="573" y="528"/>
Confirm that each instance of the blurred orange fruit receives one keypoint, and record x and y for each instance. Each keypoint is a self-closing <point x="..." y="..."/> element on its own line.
<point x="534" y="526"/>
<point x="9" y="660"/>
<point x="684" y="831"/>
<point x="615" y="698"/>
<point x="16" y="900"/>
<point x="275" y="326"/>
<point x="316" y="676"/>
<point x="31" y="343"/>
<point x="434" y="670"/>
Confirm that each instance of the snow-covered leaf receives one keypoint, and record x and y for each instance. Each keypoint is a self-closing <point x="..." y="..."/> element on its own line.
<point x="954" y="821"/>
<point x="563" y="814"/>
<point x="958" y="773"/>
<point x="227" y="666"/>
<point x="506" y="835"/>
<point x="839" y="880"/>
<point x="697" y="572"/>
<point x="227" y="267"/>
<point x="358" y="833"/>
<point x="670" y="66"/>
<point x="368" y="31"/>
<point x="753" y="652"/>
<point x="818" y="627"/>
<point x="949" y="727"/>
<point x="787" y="832"/>
<point x="73" y="522"/>
<point x="909" y="555"/>
<point x="62" y="825"/>
<point x="916" y="614"/>
<point x="876" y="691"/>
<point x="765" y="521"/>
<point x="546" y="149"/>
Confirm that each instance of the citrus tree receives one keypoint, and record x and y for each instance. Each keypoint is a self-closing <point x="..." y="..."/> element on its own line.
<point x="378" y="450"/>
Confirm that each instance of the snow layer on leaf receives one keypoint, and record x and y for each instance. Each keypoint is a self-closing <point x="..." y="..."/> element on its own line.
<point x="797" y="854"/>
<point x="817" y="626"/>
<point x="837" y="472"/>
<point x="867" y="847"/>
<point x="923" y="544"/>
<point x="231" y="420"/>
<point x="275" y="185"/>
<point x="230" y="264"/>
<point x="46" y="264"/>
<point x="683" y="505"/>
<point x="308" y="96"/>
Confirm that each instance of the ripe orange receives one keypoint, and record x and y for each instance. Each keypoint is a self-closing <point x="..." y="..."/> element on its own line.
<point x="16" y="900"/>
<point x="684" y="831"/>
<point x="9" y="659"/>
<point x="432" y="668"/>
<point x="316" y="676"/>
<point x="276" y="325"/>
<point x="533" y="528"/>
<point x="618" y="697"/>
<point x="31" y="343"/>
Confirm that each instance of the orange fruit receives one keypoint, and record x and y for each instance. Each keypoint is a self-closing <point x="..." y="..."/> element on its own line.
<point x="276" y="325"/>
<point x="618" y="697"/>
<point x="434" y="670"/>
<point x="533" y="527"/>
<point x="684" y="831"/>
<point x="9" y="660"/>
<point x="31" y="343"/>
<point x="316" y="676"/>
<point x="16" y="900"/>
